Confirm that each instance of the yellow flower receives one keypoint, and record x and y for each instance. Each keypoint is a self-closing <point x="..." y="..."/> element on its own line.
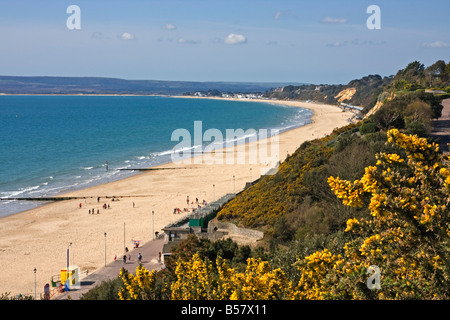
<point x="351" y="223"/>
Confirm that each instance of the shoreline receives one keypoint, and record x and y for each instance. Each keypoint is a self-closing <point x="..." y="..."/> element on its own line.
<point x="38" y="238"/>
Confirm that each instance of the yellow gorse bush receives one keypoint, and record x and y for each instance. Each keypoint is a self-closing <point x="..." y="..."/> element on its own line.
<point x="197" y="279"/>
<point x="137" y="287"/>
<point x="313" y="270"/>
<point x="407" y="232"/>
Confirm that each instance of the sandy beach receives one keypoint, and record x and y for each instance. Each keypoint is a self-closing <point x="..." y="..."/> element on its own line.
<point x="39" y="238"/>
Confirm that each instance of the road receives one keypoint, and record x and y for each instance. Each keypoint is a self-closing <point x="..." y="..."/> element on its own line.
<point x="441" y="127"/>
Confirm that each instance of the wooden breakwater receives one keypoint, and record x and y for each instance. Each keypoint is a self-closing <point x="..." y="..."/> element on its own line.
<point x="69" y="198"/>
<point x="147" y="169"/>
<point x="154" y="169"/>
<point x="42" y="199"/>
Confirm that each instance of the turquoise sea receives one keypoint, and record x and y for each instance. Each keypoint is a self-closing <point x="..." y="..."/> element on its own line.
<point x="54" y="144"/>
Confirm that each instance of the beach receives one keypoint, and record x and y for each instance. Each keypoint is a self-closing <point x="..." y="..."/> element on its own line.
<point x="144" y="203"/>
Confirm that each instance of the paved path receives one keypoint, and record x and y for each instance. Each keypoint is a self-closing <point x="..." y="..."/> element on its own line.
<point x="150" y="254"/>
<point x="441" y="126"/>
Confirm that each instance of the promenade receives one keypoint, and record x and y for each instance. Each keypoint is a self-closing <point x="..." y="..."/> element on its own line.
<point x="150" y="255"/>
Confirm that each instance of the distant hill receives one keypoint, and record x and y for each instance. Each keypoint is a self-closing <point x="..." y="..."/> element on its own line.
<point x="372" y="91"/>
<point x="99" y="85"/>
<point x="360" y="92"/>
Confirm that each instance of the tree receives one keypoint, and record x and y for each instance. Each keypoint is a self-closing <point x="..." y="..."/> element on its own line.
<point x="412" y="72"/>
<point x="417" y="117"/>
<point x="437" y="69"/>
<point x="390" y="115"/>
<point x="447" y="69"/>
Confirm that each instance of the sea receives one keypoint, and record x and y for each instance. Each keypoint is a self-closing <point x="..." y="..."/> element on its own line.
<point x="50" y="145"/>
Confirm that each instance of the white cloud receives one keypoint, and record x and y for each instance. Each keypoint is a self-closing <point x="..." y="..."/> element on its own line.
<point x="97" y="35"/>
<point x="436" y="44"/>
<point x="127" y="36"/>
<point x="233" y="38"/>
<point x="169" y="26"/>
<point x="358" y="42"/>
<point x="187" y="41"/>
<point x="277" y="15"/>
<point x="337" y="44"/>
<point x="334" y="20"/>
<point x="355" y="42"/>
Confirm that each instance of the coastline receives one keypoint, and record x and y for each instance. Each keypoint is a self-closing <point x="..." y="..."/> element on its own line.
<point x="38" y="238"/>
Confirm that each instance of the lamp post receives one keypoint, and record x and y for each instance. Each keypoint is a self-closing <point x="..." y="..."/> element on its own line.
<point x="214" y="192"/>
<point x="105" y="249"/>
<point x="67" y="271"/>
<point x="234" y="185"/>
<point x="153" y="230"/>
<point x="34" y="283"/>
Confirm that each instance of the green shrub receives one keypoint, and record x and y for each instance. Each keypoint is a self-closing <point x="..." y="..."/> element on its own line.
<point x="107" y="290"/>
<point x="367" y="127"/>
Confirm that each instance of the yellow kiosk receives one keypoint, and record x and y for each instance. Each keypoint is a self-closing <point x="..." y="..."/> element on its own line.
<point x="73" y="274"/>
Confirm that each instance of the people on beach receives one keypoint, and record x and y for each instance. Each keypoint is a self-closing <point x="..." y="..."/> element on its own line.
<point x="178" y="210"/>
<point x="139" y="257"/>
<point x="124" y="258"/>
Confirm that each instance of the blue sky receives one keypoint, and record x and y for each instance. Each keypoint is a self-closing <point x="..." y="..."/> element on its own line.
<point x="322" y="41"/>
